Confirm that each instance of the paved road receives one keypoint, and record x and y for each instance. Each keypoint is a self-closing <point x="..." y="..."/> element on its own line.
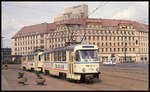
<point x="112" y="78"/>
<point x="129" y="65"/>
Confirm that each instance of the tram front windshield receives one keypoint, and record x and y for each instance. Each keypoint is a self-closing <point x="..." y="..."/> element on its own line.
<point x="86" y="55"/>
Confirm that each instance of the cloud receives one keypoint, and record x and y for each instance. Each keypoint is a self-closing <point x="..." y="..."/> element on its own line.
<point x="125" y="14"/>
<point x="138" y="12"/>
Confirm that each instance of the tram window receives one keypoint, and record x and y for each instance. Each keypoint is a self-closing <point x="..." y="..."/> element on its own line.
<point x="39" y="57"/>
<point x="45" y="57"/>
<point x="28" y="58"/>
<point x="24" y="58"/>
<point x="63" y="55"/>
<point x="56" y="56"/>
<point x="77" y="56"/>
<point x="59" y="56"/>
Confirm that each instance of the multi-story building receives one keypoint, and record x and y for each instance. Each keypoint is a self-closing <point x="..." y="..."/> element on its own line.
<point x="30" y="38"/>
<point x="123" y="39"/>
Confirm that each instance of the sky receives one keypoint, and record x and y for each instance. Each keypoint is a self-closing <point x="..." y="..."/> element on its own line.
<point x="16" y="15"/>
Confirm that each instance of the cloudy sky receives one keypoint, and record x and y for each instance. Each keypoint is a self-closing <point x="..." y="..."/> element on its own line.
<point x="16" y="15"/>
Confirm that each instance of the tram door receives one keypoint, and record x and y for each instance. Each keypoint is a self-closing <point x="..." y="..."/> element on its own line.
<point x="70" y="63"/>
<point x="39" y="62"/>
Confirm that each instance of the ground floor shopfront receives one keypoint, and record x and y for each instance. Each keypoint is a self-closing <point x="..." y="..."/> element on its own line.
<point x="122" y="58"/>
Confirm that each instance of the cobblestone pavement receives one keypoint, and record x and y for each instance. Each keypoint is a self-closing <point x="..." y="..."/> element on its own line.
<point x="111" y="78"/>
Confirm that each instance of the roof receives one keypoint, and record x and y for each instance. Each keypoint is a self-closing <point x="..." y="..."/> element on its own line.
<point x="115" y="22"/>
<point x="106" y="23"/>
<point x="38" y="28"/>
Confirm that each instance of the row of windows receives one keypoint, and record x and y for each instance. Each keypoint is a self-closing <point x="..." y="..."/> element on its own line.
<point x="60" y="56"/>
<point x="117" y="49"/>
<point x="29" y="42"/>
<point x="30" y="58"/>
<point x="109" y="38"/>
<point x="88" y="32"/>
<point x="23" y="53"/>
<point x="109" y="32"/>
<point x="28" y="48"/>
<point x="116" y="44"/>
<point x="94" y="26"/>
<point x="94" y="38"/>
<point x="29" y="37"/>
<point x="58" y="39"/>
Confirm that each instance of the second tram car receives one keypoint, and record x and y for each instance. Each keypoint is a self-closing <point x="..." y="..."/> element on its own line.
<point x="75" y="62"/>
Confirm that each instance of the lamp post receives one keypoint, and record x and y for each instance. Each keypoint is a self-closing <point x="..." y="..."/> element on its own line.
<point x="2" y="50"/>
<point x="125" y="47"/>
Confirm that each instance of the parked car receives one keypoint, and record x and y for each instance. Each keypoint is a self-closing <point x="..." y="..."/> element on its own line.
<point x="109" y="62"/>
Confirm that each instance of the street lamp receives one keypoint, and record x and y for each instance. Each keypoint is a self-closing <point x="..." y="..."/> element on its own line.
<point x="125" y="47"/>
<point x="2" y="50"/>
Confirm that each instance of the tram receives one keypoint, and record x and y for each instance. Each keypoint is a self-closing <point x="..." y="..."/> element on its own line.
<point x="74" y="62"/>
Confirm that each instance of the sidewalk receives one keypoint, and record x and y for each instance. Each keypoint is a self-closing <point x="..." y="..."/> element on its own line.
<point x="5" y="85"/>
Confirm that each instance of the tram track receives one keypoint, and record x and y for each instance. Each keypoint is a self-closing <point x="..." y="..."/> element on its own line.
<point x="104" y="73"/>
<point x="124" y="77"/>
<point x="122" y="70"/>
<point x="110" y="79"/>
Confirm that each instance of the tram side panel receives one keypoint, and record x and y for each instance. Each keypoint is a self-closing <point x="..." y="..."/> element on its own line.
<point x="47" y="63"/>
<point x="70" y="63"/>
<point x="23" y="62"/>
<point x="30" y="62"/>
<point x="59" y="66"/>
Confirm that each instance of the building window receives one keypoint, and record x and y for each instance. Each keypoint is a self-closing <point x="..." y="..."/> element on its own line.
<point x="98" y="44"/>
<point x="41" y="41"/>
<point x="102" y="49"/>
<point x="102" y="38"/>
<point x="97" y="37"/>
<point x="114" y="49"/>
<point x="89" y="37"/>
<point x="42" y="35"/>
<point x="93" y="37"/>
<point x="133" y="38"/>
<point x="124" y="27"/>
<point x="133" y="49"/>
<point x="122" y="49"/>
<point x="106" y="49"/>
<point x="110" y="38"/>
<point x="136" y="42"/>
<point x="110" y="43"/>
<point x="130" y="49"/>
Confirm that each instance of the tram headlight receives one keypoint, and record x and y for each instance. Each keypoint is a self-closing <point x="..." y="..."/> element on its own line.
<point x="97" y="69"/>
<point x="83" y="70"/>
